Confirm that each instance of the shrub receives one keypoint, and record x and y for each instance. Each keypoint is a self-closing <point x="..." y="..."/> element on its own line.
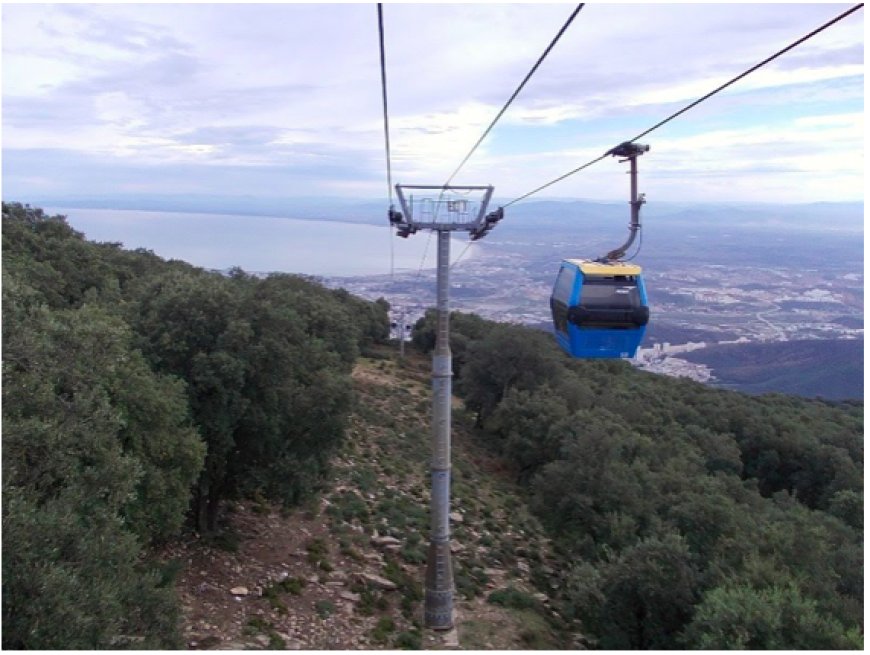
<point x="408" y="641"/>
<point x="412" y="554"/>
<point x="324" y="608"/>
<point x="276" y="642"/>
<point x="513" y="598"/>
<point x="384" y="627"/>
<point x="293" y="585"/>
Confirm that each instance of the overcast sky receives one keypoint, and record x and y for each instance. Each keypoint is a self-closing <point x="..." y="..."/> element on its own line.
<point x="282" y="100"/>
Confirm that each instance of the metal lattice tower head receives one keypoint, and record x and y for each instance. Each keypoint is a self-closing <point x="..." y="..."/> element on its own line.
<point x="444" y="208"/>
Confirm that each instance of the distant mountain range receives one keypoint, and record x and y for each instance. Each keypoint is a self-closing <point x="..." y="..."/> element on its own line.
<point x="524" y="216"/>
<point x="831" y="369"/>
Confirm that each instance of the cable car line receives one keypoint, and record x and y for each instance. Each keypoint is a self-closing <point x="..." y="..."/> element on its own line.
<point x="386" y="128"/>
<point x="600" y="307"/>
<point x="558" y="179"/>
<point x="462" y="254"/>
<point x="751" y="70"/>
<point x="696" y="102"/>
<point x="384" y="97"/>
<point x="510" y="100"/>
<point x="425" y="253"/>
<point x="392" y="214"/>
<point x="517" y="92"/>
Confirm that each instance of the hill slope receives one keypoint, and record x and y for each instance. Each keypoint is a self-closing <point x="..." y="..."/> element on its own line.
<point x="832" y="369"/>
<point x="345" y="572"/>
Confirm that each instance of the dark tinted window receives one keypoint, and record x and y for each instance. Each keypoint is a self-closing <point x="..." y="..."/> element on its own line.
<point x="564" y="285"/>
<point x="616" y="291"/>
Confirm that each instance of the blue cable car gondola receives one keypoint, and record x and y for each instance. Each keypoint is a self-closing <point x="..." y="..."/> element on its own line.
<point x="599" y="309"/>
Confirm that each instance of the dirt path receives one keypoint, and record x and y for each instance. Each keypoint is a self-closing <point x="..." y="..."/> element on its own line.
<point x="346" y="571"/>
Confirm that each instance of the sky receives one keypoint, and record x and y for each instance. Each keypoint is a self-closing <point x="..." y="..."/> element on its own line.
<point x="284" y="100"/>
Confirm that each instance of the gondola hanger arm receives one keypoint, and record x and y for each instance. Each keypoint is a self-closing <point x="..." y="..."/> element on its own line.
<point x="630" y="152"/>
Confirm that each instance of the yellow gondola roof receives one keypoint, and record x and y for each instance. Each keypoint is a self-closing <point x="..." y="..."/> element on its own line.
<point x="610" y="268"/>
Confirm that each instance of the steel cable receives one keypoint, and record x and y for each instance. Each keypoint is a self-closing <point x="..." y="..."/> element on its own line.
<point x="386" y="132"/>
<point x="517" y="92"/>
<point x="698" y="101"/>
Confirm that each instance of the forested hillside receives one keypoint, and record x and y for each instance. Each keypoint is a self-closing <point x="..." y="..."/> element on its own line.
<point x="830" y="368"/>
<point x="687" y="517"/>
<point x="137" y="392"/>
<point x="139" y="396"/>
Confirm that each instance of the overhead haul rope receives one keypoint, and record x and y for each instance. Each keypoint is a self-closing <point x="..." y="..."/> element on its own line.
<point x="696" y="102"/>
<point x="387" y="145"/>
<point x="386" y="128"/>
<point x="507" y="104"/>
<point x="517" y="92"/>
<point x="462" y="254"/>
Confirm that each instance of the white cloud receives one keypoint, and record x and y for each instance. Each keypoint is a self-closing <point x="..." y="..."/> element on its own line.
<point x="298" y="84"/>
<point x="118" y="108"/>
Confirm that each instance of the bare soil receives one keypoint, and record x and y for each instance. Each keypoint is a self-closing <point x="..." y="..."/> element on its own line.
<point x="319" y="577"/>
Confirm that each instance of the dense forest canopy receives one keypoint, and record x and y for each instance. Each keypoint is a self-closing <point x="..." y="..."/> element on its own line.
<point x="688" y="517"/>
<point x="139" y="394"/>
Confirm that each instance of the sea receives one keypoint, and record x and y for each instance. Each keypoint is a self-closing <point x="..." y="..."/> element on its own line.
<point x="263" y="244"/>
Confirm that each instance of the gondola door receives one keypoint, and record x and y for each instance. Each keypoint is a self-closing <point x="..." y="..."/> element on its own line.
<point x="564" y="290"/>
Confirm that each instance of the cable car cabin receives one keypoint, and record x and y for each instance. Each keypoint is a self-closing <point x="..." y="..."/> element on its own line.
<point x="599" y="309"/>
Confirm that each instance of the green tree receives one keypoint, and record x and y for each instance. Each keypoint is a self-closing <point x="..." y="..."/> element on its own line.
<point x="848" y="506"/>
<point x="371" y="318"/>
<point x="740" y="617"/>
<point x="465" y="329"/>
<point x="84" y="483"/>
<point x="524" y="428"/>
<point x="297" y="386"/>
<point x="267" y="366"/>
<point x="649" y="593"/>
<point x="191" y="327"/>
<point x="507" y="357"/>
<point x="592" y="495"/>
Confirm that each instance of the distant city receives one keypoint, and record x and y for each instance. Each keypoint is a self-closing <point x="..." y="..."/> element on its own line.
<point x="722" y="306"/>
<point x="749" y="285"/>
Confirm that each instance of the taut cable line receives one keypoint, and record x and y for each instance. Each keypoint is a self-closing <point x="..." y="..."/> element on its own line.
<point x="507" y="104"/>
<point x="698" y="101"/>
<point x="386" y="129"/>
<point x="517" y="92"/>
<point x="384" y="97"/>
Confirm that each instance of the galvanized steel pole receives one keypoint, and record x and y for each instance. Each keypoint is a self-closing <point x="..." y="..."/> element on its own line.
<point x="438" y="597"/>
<point x="438" y="608"/>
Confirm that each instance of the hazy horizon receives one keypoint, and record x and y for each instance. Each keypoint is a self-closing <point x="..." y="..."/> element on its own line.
<point x="260" y="244"/>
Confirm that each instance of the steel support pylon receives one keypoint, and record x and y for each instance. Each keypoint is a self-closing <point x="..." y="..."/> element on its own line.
<point x="438" y="600"/>
<point x="461" y="215"/>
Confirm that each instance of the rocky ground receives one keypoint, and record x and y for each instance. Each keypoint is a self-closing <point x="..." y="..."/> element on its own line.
<point x="346" y="570"/>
